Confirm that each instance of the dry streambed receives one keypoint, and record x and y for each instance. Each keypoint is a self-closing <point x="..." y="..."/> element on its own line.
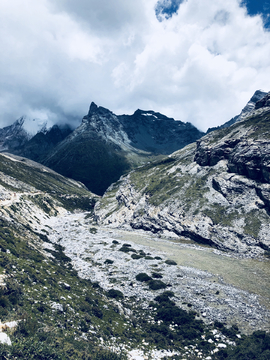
<point x="113" y="258"/>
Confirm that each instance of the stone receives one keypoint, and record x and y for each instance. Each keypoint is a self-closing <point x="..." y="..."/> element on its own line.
<point x="5" y="339"/>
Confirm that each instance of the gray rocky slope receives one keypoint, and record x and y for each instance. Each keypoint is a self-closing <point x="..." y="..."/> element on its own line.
<point x="13" y="136"/>
<point x="215" y="191"/>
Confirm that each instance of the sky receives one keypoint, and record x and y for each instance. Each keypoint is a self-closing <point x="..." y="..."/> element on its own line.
<point x="196" y="61"/>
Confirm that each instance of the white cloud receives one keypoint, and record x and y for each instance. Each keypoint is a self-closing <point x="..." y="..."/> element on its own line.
<point x="202" y="65"/>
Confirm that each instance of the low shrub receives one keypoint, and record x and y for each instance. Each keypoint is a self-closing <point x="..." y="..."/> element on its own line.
<point x="255" y="346"/>
<point x="170" y="262"/>
<point x="97" y="312"/>
<point x="165" y="297"/>
<point x="116" y="294"/>
<point x="147" y="257"/>
<point x="126" y="249"/>
<point x="136" y="256"/>
<point x="143" y="277"/>
<point x="156" y="285"/>
<point x="157" y="276"/>
<point x="108" y="261"/>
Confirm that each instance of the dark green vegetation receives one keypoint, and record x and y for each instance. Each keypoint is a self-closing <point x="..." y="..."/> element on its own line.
<point x="254" y="347"/>
<point x="92" y="161"/>
<point x="170" y="262"/>
<point x="153" y="284"/>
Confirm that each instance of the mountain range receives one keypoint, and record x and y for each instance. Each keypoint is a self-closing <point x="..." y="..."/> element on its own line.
<point x="104" y="146"/>
<point x="171" y="262"/>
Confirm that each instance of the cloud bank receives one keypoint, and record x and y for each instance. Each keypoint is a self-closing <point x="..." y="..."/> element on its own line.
<point x="196" y="61"/>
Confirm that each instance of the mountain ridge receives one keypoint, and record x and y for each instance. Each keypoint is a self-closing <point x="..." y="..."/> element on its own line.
<point x="215" y="191"/>
<point x="76" y="290"/>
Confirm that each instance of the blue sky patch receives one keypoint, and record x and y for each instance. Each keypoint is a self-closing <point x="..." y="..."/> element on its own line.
<point x="166" y="8"/>
<point x="262" y="7"/>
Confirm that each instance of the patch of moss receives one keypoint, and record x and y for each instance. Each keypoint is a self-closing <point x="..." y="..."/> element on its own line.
<point x="221" y="215"/>
<point x="253" y="223"/>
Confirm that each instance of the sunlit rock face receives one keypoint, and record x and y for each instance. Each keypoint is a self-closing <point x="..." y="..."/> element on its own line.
<point x="215" y="191"/>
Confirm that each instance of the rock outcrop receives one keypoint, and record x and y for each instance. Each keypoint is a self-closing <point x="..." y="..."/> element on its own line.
<point x="215" y="191"/>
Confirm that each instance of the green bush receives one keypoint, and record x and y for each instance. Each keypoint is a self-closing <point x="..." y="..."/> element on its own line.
<point x="136" y="256"/>
<point x="147" y="257"/>
<point x="30" y="349"/>
<point x="170" y="262"/>
<point x="156" y="285"/>
<point x="97" y="312"/>
<point x="157" y="276"/>
<point x="127" y="249"/>
<point x="116" y="294"/>
<point x="93" y="230"/>
<point x="143" y="277"/>
<point x="4" y="302"/>
<point x="108" y="261"/>
<point x="165" y="298"/>
<point x="253" y="347"/>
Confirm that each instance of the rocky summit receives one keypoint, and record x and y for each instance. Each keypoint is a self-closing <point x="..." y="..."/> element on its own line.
<point x="106" y="146"/>
<point x="215" y="191"/>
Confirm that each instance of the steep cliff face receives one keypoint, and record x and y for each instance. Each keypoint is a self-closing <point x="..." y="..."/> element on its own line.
<point x="215" y="192"/>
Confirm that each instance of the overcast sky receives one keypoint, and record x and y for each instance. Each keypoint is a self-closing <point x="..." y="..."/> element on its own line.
<point x="197" y="61"/>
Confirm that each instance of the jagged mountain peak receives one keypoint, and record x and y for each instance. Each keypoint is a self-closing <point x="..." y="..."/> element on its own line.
<point x="250" y="106"/>
<point x="263" y="102"/>
<point x="106" y="145"/>
<point x="94" y="109"/>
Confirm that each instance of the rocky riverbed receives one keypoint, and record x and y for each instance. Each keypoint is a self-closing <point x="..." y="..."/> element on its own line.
<point x="98" y="254"/>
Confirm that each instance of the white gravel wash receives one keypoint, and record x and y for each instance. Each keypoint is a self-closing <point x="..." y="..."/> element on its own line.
<point x="89" y="251"/>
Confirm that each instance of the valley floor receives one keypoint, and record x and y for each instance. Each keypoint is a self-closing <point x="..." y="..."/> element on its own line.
<point x="216" y="285"/>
